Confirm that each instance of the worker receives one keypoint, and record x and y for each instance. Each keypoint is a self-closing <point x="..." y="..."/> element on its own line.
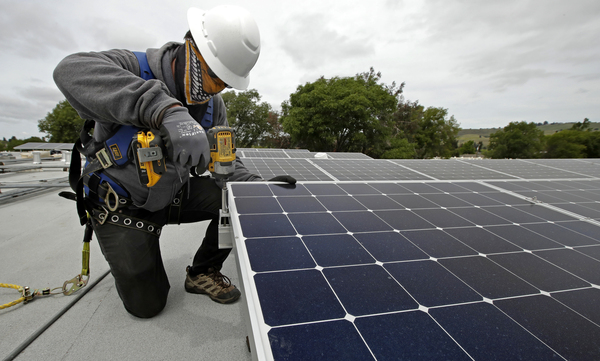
<point x="178" y="101"/>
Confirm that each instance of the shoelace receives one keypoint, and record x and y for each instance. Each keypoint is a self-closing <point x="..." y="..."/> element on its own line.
<point x="220" y="279"/>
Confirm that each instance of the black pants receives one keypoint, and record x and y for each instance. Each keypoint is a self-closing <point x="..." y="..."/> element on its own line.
<point x="129" y="240"/>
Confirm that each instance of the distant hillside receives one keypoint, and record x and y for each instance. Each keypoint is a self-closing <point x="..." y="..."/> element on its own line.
<point x="483" y="134"/>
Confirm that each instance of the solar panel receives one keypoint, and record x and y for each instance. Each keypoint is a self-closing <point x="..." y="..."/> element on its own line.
<point x="582" y="167"/>
<point x="526" y="169"/>
<point x="367" y="169"/>
<point x="581" y="197"/>
<point x="416" y="270"/>
<point x="347" y="155"/>
<point x="44" y="146"/>
<point x="330" y="155"/>
<point x="295" y="153"/>
<point x="452" y="169"/>
<point x="259" y="153"/>
<point x="306" y="155"/>
<point x="301" y="169"/>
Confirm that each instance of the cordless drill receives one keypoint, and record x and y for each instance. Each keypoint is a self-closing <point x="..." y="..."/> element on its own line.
<point x="221" y="140"/>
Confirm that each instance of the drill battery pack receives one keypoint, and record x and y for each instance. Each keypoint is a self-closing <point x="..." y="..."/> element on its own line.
<point x="149" y="157"/>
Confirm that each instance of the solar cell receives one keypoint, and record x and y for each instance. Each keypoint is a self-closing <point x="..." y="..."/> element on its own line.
<point x="585" y="302"/>
<point x="486" y="333"/>
<point x="593" y="251"/>
<point x="421" y="269"/>
<point x="556" y="325"/>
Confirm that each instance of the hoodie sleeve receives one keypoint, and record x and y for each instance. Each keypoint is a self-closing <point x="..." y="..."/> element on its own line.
<point x="106" y="87"/>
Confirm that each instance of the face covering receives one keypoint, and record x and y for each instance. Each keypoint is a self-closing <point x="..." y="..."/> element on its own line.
<point x="199" y="82"/>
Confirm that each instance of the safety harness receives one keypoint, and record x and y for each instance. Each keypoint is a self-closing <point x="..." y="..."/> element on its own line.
<point x="116" y="152"/>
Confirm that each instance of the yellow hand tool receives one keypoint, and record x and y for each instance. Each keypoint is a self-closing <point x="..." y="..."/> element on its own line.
<point x="149" y="157"/>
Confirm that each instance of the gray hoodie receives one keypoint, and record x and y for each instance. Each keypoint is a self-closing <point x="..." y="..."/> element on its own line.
<point x="106" y="87"/>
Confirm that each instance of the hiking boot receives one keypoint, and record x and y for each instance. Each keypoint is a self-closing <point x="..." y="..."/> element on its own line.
<point x="214" y="284"/>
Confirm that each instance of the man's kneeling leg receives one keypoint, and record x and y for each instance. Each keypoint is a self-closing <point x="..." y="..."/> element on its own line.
<point x="136" y="265"/>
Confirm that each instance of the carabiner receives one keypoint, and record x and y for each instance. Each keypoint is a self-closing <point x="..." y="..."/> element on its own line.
<point x="76" y="283"/>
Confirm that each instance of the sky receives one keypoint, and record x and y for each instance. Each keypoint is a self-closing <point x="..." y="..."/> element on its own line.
<point x="488" y="62"/>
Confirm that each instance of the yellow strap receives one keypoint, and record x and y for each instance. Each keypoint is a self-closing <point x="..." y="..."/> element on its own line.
<point x="85" y="259"/>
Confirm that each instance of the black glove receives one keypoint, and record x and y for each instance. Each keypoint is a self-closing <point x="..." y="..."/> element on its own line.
<point x="283" y="178"/>
<point x="184" y="138"/>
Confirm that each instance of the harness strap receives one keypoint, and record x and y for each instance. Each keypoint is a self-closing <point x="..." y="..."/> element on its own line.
<point x="76" y="182"/>
<point x="145" y="71"/>
<point x="207" y="119"/>
<point x="104" y="216"/>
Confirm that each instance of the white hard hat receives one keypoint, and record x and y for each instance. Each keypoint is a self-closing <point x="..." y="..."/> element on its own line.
<point x="228" y="39"/>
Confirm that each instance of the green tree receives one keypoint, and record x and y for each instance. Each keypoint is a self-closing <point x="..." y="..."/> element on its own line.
<point x="247" y="116"/>
<point x="586" y="125"/>
<point x="430" y="131"/>
<point x="517" y="140"/>
<point x="467" y="147"/>
<point x="276" y="137"/>
<point x="347" y="114"/>
<point x="62" y="124"/>
<point x="437" y="137"/>
<point x="578" y="142"/>
<point x="566" y="144"/>
<point x="399" y="148"/>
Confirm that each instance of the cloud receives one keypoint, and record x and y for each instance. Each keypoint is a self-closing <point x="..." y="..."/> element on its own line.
<point x="586" y="77"/>
<point x="29" y="30"/>
<point x="41" y="94"/>
<point x="505" y="79"/>
<point x="111" y="34"/>
<point x="28" y="105"/>
<point x="512" y="42"/>
<point x="310" y="40"/>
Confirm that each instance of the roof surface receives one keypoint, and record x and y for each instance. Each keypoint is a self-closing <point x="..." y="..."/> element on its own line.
<point x="40" y="246"/>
